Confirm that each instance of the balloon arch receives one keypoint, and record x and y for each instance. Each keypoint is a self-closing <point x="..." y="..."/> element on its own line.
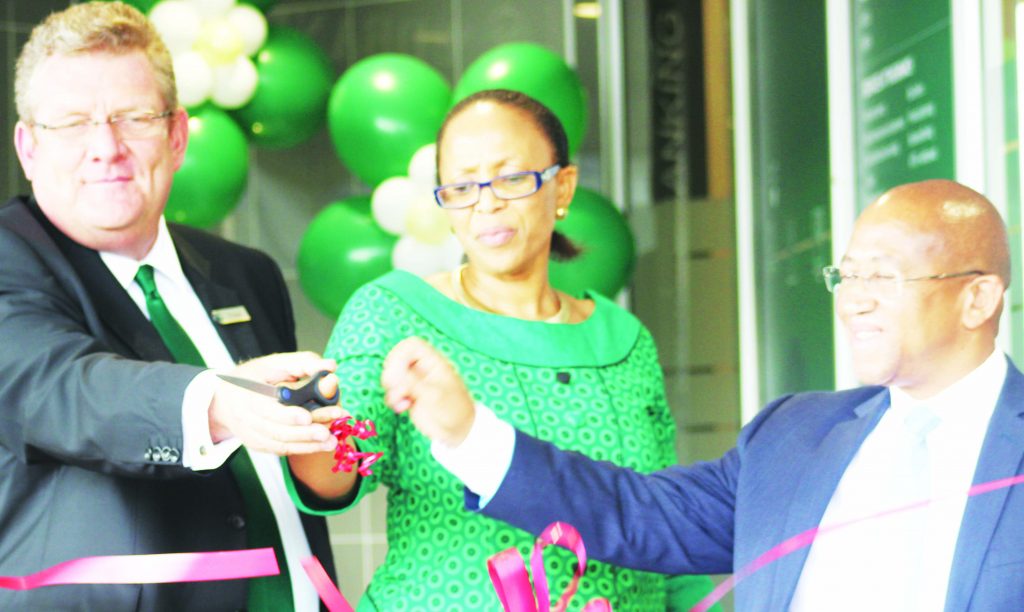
<point x="245" y="81"/>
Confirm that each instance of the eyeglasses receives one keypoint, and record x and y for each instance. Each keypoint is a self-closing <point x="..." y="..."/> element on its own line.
<point x="505" y="187"/>
<point x="127" y="125"/>
<point x="886" y="285"/>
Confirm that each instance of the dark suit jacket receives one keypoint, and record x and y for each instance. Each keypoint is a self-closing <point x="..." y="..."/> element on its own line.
<point x="719" y="516"/>
<point x="90" y="416"/>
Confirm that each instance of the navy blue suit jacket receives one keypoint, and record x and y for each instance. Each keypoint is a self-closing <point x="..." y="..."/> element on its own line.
<point x="717" y="517"/>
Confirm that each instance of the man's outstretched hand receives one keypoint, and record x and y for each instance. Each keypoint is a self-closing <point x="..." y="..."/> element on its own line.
<point x="260" y="422"/>
<point x="418" y="380"/>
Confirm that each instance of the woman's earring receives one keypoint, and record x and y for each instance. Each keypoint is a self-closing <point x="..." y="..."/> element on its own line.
<point x="560" y="213"/>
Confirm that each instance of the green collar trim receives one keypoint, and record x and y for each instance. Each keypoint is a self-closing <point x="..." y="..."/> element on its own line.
<point x="607" y="337"/>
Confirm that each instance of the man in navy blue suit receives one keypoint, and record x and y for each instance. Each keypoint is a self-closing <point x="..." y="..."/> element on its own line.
<point x="919" y="293"/>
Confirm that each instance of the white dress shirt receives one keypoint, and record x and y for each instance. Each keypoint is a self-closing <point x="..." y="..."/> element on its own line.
<point x="846" y="569"/>
<point x="858" y="567"/>
<point x="199" y="452"/>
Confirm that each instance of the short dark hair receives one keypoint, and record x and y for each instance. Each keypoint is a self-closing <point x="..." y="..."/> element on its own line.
<point x="561" y="247"/>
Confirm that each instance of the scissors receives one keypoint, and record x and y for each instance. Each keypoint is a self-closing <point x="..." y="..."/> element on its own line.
<point x="308" y="395"/>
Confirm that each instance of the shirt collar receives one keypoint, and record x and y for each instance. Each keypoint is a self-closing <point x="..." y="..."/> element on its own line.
<point x="163" y="257"/>
<point x="981" y="387"/>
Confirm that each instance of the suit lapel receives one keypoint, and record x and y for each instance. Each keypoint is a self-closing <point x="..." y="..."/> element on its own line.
<point x="239" y="339"/>
<point x="119" y="314"/>
<point x="1002" y="455"/>
<point x="823" y="470"/>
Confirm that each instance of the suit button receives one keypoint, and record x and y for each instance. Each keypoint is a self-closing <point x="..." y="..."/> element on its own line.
<point x="236" y="521"/>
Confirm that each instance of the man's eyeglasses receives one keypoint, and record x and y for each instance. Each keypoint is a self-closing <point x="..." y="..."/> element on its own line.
<point x="505" y="187"/>
<point x="128" y="125"/>
<point x="884" y="285"/>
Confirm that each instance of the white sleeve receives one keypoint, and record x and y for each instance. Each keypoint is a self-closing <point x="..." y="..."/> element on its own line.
<point x="198" y="450"/>
<point x="483" y="458"/>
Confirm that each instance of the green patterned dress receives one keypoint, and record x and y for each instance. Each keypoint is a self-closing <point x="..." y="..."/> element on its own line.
<point x="594" y="387"/>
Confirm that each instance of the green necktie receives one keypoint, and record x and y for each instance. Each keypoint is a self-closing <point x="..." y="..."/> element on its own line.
<point x="272" y="593"/>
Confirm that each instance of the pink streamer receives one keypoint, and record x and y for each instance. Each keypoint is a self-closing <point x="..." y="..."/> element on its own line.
<point x="347" y="457"/>
<point x="144" y="569"/>
<point x="177" y="567"/>
<point x="512" y="584"/>
<point x="806" y="538"/>
<point x="329" y="593"/>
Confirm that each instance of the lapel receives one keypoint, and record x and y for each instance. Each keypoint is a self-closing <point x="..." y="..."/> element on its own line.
<point x="823" y="469"/>
<point x="108" y="299"/>
<point x="240" y="339"/>
<point x="122" y="317"/>
<point x="1002" y="454"/>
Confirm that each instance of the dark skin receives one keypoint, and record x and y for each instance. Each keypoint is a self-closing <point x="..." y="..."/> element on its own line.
<point x="484" y="140"/>
<point x="971" y="229"/>
<point x="933" y="331"/>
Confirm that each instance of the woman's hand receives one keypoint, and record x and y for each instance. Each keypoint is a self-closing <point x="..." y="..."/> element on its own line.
<point x="419" y="380"/>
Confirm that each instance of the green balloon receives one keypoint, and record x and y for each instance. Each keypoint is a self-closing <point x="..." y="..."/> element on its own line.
<point x="143" y="5"/>
<point x="382" y="110"/>
<point x="295" y="79"/>
<point x="608" y="249"/>
<point x="212" y="177"/>
<point x="263" y="5"/>
<point x="536" y="72"/>
<point x="343" y="248"/>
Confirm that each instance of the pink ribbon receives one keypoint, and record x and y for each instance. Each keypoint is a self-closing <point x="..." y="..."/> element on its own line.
<point x="345" y="456"/>
<point x="329" y="594"/>
<point x="806" y="538"/>
<point x="177" y="567"/>
<point x="144" y="569"/>
<point x="512" y="584"/>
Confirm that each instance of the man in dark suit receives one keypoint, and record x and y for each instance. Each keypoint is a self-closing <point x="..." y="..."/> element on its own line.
<point x="919" y="293"/>
<point x="106" y="445"/>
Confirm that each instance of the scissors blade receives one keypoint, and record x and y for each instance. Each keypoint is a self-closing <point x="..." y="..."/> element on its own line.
<point x="251" y="385"/>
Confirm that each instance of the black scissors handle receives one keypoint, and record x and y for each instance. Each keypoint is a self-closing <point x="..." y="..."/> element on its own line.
<point x="308" y="395"/>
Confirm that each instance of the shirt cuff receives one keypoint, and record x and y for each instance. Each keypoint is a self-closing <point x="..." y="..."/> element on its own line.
<point x="198" y="450"/>
<point x="483" y="458"/>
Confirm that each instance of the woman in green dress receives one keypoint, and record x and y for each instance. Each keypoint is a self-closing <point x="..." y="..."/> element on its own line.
<point x="581" y="372"/>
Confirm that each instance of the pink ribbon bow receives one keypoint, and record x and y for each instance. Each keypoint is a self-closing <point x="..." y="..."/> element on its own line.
<point x="511" y="582"/>
<point x="345" y="456"/>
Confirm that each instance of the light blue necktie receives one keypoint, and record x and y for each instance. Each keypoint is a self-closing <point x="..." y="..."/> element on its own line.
<point x="916" y="482"/>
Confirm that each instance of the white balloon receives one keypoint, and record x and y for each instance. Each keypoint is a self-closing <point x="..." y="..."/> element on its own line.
<point x="425" y="220"/>
<point x="424" y="259"/>
<point x="251" y="26"/>
<point x="423" y="166"/>
<point x="210" y="9"/>
<point x="235" y="83"/>
<point x="178" y="23"/>
<point x="194" y="78"/>
<point x="390" y="202"/>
